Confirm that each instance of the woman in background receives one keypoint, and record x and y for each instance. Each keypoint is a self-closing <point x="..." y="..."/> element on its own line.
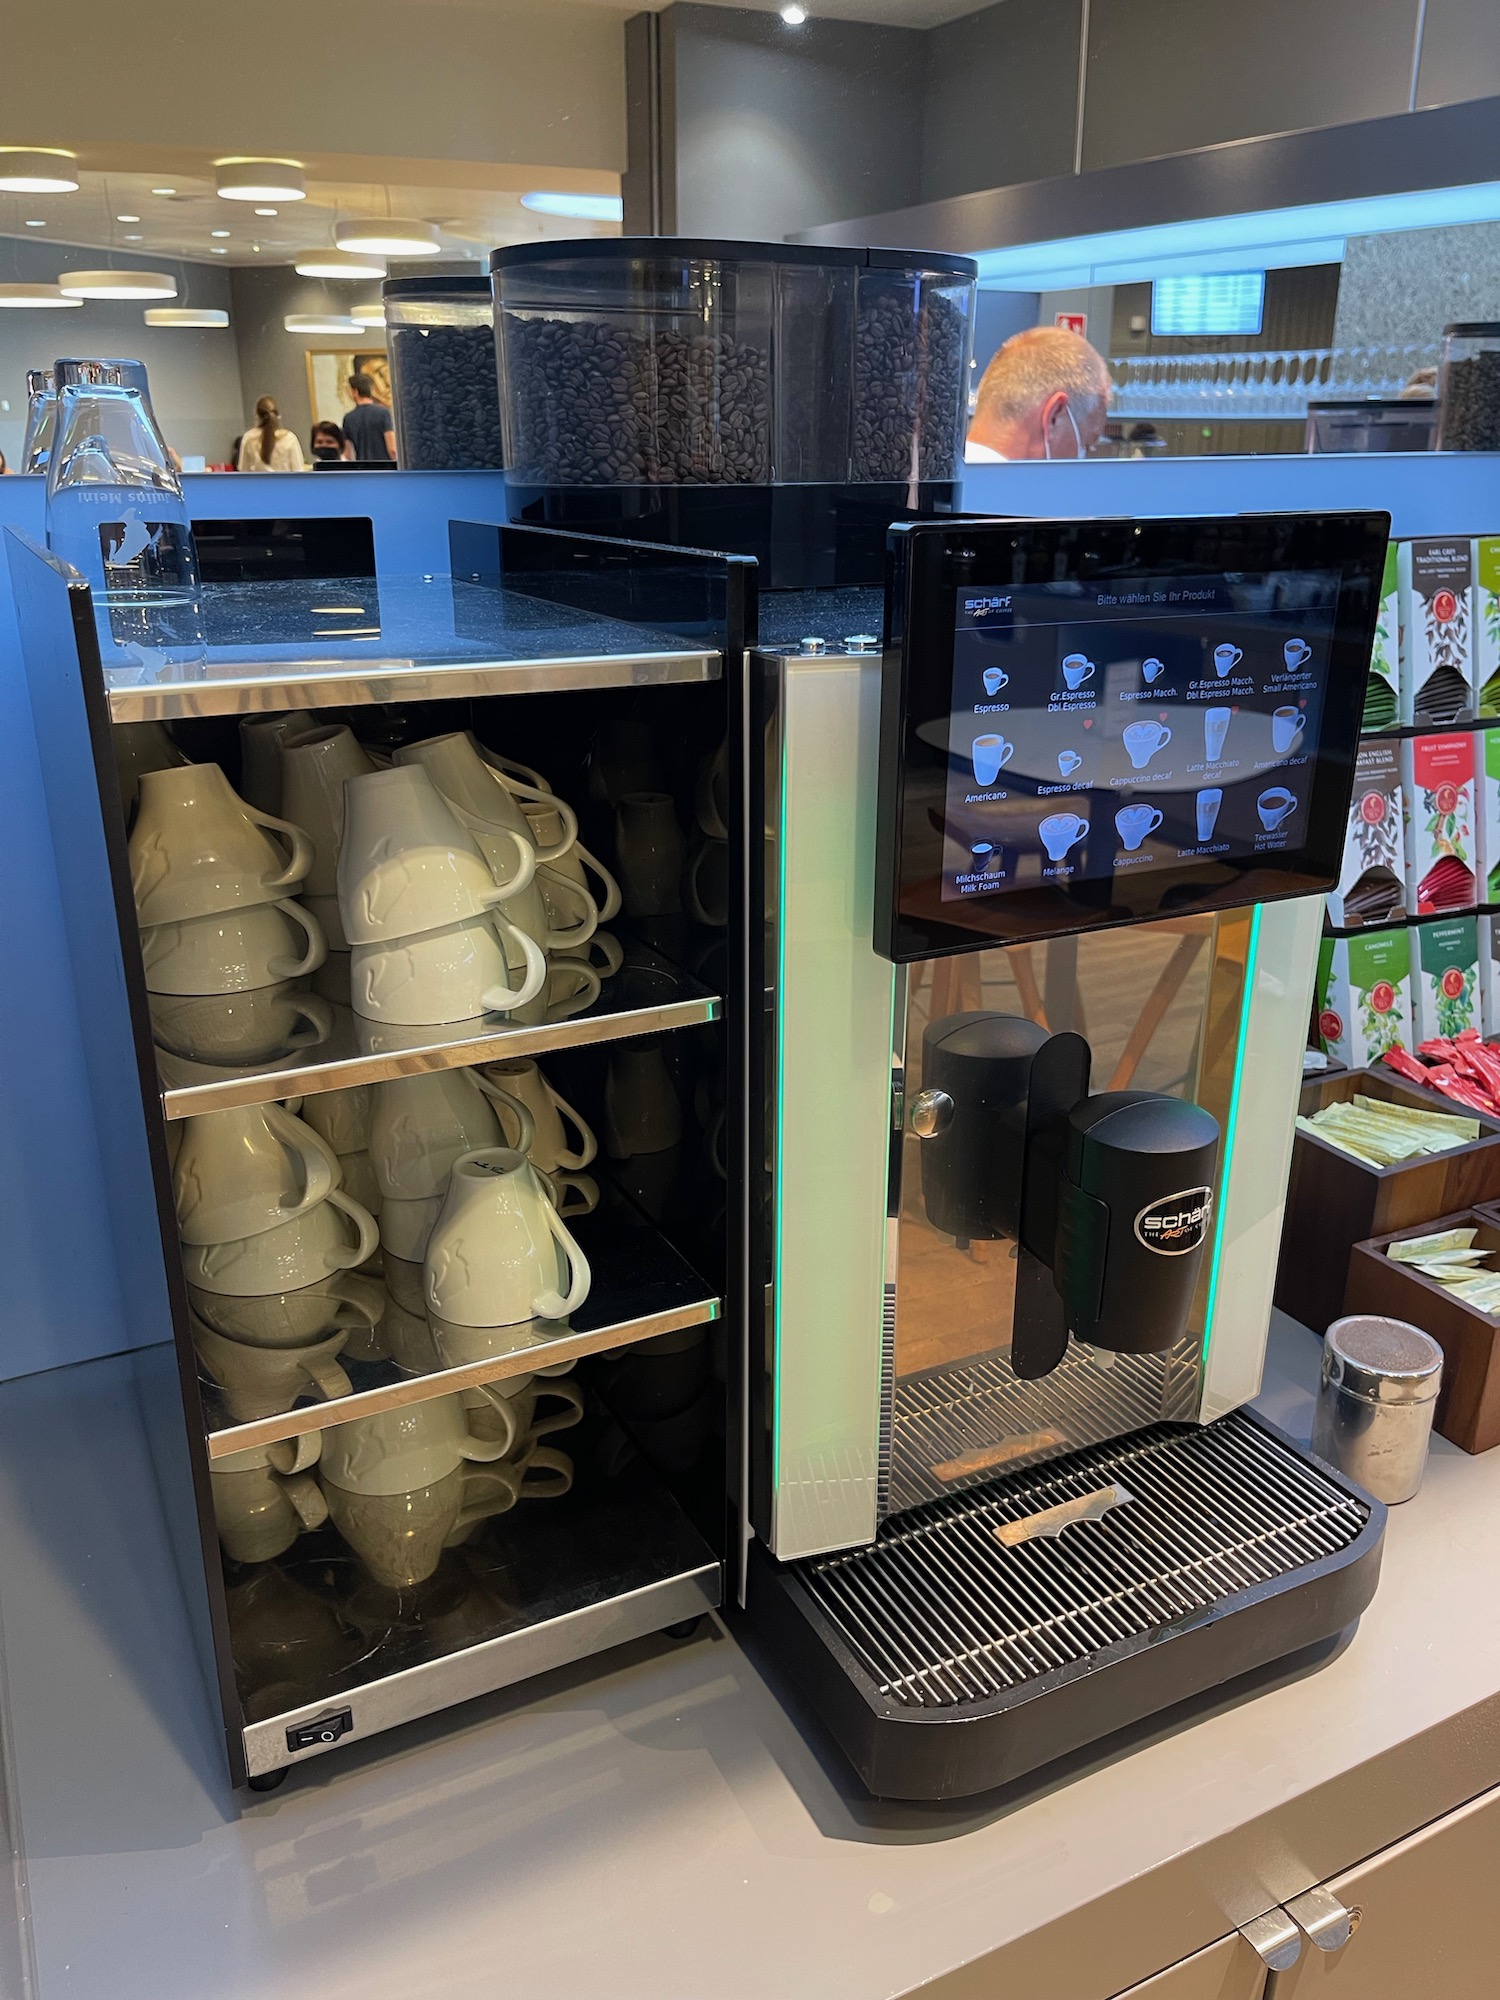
<point x="268" y="446"/>
<point x="328" y="442"/>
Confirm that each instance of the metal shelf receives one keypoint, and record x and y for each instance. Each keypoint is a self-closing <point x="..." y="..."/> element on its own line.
<point x="647" y="996"/>
<point x="345" y="643"/>
<point x="641" y="1288"/>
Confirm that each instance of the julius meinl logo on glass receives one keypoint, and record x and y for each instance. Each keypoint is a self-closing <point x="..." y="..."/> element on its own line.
<point x="1175" y="1223"/>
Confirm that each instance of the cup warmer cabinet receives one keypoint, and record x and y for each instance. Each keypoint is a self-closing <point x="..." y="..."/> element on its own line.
<point x="965" y="1255"/>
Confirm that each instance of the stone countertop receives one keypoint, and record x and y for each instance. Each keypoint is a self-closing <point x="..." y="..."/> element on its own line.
<point x="654" y="1822"/>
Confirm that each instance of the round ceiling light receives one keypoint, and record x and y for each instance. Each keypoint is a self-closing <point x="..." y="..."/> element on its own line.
<point x="185" y="316"/>
<point x="582" y="207"/>
<point x="37" y="298"/>
<point x="370" y="315"/>
<point x="260" y="180"/>
<point x="334" y="264"/>
<point x="117" y="284"/>
<point x="388" y="236"/>
<point x="321" y="323"/>
<point x="38" y="170"/>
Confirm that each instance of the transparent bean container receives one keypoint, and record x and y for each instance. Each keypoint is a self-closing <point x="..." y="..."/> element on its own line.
<point x="1469" y="387"/>
<point x="441" y="338"/>
<point x="780" y="400"/>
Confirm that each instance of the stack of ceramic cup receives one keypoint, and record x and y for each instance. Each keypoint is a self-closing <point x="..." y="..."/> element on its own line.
<point x="406" y="1484"/>
<point x="341" y="1118"/>
<point x="265" y="1497"/>
<point x="419" y="1125"/>
<point x="643" y="1123"/>
<point x="315" y="763"/>
<point x="499" y="1259"/>
<point x="529" y="838"/>
<point x="270" y="1246"/>
<point x="223" y="940"/>
<point x="705" y="881"/>
<point x="140" y="747"/>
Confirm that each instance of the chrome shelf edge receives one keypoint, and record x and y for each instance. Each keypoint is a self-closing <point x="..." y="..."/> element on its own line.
<point x="338" y="683"/>
<point x="493" y="1663"/>
<point x="568" y="1346"/>
<point x="270" y="1086"/>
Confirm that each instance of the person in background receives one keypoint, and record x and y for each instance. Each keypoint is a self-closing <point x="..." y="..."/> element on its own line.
<point x="329" y="442"/>
<point x="1045" y="394"/>
<point x="369" y="426"/>
<point x="4" y="467"/>
<point x="268" y="446"/>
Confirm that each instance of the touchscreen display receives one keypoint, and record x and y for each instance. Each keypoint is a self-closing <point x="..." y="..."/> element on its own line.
<point x="1104" y="729"/>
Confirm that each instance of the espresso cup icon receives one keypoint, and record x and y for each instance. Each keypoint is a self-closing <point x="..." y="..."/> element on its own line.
<point x="1296" y="652"/>
<point x="1060" y="831"/>
<point x="1068" y="762"/>
<point x="1142" y="740"/>
<point x="1153" y="669"/>
<point x="1274" y="806"/>
<point x="1226" y="659"/>
<point x="994" y="680"/>
<point x="991" y="753"/>
<point x="1286" y="726"/>
<point x="1077" y="668"/>
<point x="1133" y="823"/>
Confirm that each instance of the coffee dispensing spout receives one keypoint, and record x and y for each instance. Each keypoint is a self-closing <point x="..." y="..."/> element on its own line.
<point x="1108" y="1197"/>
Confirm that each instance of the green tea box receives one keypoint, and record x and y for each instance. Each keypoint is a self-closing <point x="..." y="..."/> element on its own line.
<point x="1383" y="688"/>
<point x="1436" y="588"/>
<point x="1486" y="625"/>
<point x="1445" y="976"/>
<point x="1372" y="885"/>
<point x="1364" y="995"/>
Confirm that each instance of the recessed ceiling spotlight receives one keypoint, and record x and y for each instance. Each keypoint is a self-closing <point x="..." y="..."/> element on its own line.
<point x="218" y="251"/>
<point x="37" y="170"/>
<point x="336" y="264"/>
<point x="260" y="180"/>
<point x="388" y="236"/>
<point x="321" y="323"/>
<point x="117" y="284"/>
<point x="794" y="15"/>
<point x="127" y="218"/>
<point x="582" y="207"/>
<point x="266" y="211"/>
<point x="218" y="232"/>
<point x="134" y="236"/>
<point x="164" y="190"/>
<point x="185" y="316"/>
<point x="36" y="225"/>
<point x="35" y="297"/>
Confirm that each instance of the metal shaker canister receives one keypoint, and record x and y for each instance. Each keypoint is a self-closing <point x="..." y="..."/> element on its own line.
<point x="1376" y="1401"/>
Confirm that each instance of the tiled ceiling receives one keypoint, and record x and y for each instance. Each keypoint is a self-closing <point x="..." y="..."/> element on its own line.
<point x="181" y="224"/>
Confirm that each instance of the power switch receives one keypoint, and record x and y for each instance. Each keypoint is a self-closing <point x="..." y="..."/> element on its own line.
<point x="323" y="1729"/>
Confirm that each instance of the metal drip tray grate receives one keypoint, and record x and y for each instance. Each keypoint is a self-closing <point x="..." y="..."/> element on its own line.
<point x="941" y="1613"/>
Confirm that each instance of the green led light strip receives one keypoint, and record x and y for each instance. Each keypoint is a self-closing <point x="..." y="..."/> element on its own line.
<point x="1230" y="1125"/>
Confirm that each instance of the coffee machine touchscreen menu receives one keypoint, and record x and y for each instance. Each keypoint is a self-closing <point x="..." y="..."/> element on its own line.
<point x="1108" y="728"/>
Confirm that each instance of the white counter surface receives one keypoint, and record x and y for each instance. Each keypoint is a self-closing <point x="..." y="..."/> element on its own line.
<point x="654" y="1823"/>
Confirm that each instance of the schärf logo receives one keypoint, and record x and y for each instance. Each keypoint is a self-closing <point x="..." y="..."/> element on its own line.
<point x="1176" y="1223"/>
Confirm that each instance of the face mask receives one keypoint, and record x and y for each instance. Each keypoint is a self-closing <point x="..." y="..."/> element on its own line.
<point x="1077" y="440"/>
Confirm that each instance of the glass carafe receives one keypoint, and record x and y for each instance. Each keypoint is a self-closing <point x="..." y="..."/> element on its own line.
<point x="115" y="511"/>
<point x="41" y="419"/>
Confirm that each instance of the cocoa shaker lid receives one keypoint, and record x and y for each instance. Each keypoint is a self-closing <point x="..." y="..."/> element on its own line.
<point x="1384" y="1360"/>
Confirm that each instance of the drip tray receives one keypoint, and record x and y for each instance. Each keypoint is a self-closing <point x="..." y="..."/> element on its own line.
<point x="981" y="1636"/>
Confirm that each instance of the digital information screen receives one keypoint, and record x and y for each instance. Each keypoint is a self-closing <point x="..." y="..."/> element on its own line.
<point x="1100" y="729"/>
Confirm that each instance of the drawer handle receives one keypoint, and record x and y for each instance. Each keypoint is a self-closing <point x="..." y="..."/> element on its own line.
<point x="1324" y="1918"/>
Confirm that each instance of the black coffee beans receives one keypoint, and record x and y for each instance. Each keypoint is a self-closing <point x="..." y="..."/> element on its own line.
<point x="447" y="397"/>
<point x="1470" y="419"/>
<point x="907" y="387"/>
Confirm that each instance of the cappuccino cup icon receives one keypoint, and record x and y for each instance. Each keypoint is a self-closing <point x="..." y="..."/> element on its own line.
<point x="991" y="753"/>
<point x="1142" y="740"/>
<point x="1133" y="823"/>
<point x="1226" y="659"/>
<point x="1060" y="831"/>
<point x="994" y="680"/>
<point x="1286" y="726"/>
<point x="1077" y="668"/>
<point x="1153" y="669"/>
<point x="1068" y="762"/>
<point x="1274" y="806"/>
<point x="1296" y="652"/>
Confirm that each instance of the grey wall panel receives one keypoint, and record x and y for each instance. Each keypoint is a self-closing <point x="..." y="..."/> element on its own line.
<point x="778" y="129"/>
<point x="1001" y="96"/>
<point x="1460" y="51"/>
<point x="1168" y="75"/>
<point x="1407" y="286"/>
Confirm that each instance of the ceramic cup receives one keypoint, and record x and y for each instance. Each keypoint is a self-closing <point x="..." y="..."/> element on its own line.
<point x="403" y="1278"/>
<point x="499" y="1253"/>
<point x="603" y="953"/>
<point x="315" y="765"/>
<point x="359" y="1181"/>
<point x="528" y="910"/>
<point x="406" y="1226"/>
<point x="196" y="848"/>
<point x="232" y="951"/>
<point x="649" y="854"/>
<point x="266" y="1381"/>
<point x="284" y="1259"/>
<point x="347" y="1303"/>
<point x="263" y="1498"/>
<point x="241" y="1030"/>
<point x="574" y="1194"/>
<point x="572" y="988"/>
<point x="453" y="974"/>
<point x="570" y="859"/>
<point x="711" y="794"/>
<point x="407" y="1339"/>
<point x="526" y="1406"/>
<point x="641" y="1112"/>
<point x="622" y="758"/>
<point x="261" y="738"/>
<point x="395" y="1450"/>
<point x="491" y="796"/>
<point x="522" y="1082"/>
<point x="706" y="886"/>
<point x="242" y="1172"/>
<point x="407" y="864"/>
<point x="140" y="747"/>
<point x="342" y="1117"/>
<point x="419" y="1125"/>
<point x="400" y="1537"/>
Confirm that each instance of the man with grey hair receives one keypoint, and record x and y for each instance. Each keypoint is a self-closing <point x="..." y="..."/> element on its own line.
<point x="1044" y="395"/>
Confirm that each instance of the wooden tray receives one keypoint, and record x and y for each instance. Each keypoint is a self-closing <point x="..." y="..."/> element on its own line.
<point x="1334" y="1201"/>
<point x="1468" y="1410"/>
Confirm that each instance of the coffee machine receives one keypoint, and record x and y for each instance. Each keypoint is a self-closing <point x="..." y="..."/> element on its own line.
<point x="1036" y="930"/>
